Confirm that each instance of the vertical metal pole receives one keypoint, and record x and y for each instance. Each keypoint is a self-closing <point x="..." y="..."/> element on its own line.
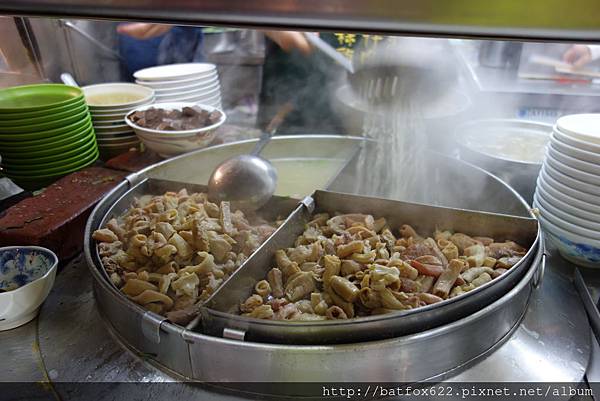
<point x="30" y="43"/>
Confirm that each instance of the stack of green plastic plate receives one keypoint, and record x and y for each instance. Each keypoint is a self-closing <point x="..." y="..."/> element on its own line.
<point x="45" y="133"/>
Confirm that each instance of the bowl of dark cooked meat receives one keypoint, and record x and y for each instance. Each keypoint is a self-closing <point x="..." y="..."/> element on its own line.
<point x="175" y="128"/>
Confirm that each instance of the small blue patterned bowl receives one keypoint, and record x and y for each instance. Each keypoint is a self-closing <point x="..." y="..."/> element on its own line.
<point x="26" y="276"/>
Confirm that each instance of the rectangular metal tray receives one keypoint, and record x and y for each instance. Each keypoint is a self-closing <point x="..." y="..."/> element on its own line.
<point x="218" y="319"/>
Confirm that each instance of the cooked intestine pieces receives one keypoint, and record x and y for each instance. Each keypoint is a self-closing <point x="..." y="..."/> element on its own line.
<point x="424" y="248"/>
<point x="446" y="280"/>
<point x="498" y="250"/>
<point x="275" y="279"/>
<point x="177" y="246"/>
<point x="353" y="265"/>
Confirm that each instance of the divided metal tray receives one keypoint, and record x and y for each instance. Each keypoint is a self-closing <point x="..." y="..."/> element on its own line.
<point x="219" y="315"/>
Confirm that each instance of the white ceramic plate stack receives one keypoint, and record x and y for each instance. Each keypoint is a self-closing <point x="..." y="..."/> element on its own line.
<point x="190" y="83"/>
<point x="568" y="189"/>
<point x="109" y="104"/>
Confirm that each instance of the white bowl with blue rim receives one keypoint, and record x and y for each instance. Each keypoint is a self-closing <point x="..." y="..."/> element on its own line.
<point x="575" y="248"/>
<point x="26" y="277"/>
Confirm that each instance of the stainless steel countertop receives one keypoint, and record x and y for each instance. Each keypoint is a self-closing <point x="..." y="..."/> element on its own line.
<point x="69" y="342"/>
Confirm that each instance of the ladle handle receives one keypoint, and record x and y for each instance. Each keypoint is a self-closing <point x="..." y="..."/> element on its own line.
<point x="272" y="128"/>
<point x="68" y="79"/>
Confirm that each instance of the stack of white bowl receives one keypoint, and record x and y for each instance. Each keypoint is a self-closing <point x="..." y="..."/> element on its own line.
<point x="191" y="83"/>
<point x="568" y="189"/>
<point x="108" y="104"/>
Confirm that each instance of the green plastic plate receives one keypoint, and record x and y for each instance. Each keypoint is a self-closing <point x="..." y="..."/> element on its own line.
<point x="76" y="131"/>
<point x="46" y="150"/>
<point x="47" y="126"/>
<point x="40" y="113"/>
<point x="45" y="118"/>
<point x="27" y="98"/>
<point x="44" y="171"/>
<point x="42" y="134"/>
<point x="60" y="158"/>
<point x="36" y="182"/>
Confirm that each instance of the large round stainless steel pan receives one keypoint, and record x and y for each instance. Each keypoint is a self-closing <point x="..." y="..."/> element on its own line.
<point x="519" y="174"/>
<point x="431" y="355"/>
<point x="207" y="358"/>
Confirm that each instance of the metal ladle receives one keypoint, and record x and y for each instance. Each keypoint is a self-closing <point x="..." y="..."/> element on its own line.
<point x="248" y="181"/>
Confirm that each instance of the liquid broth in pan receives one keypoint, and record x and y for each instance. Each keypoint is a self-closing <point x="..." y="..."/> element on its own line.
<point x="516" y="145"/>
<point x="295" y="177"/>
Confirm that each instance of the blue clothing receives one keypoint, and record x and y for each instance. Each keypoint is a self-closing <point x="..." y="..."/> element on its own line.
<point x="182" y="44"/>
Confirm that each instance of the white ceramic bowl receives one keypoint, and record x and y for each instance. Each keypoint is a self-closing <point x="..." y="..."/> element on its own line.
<point x="142" y="95"/>
<point x="194" y="86"/>
<point x="111" y="115"/>
<point x="117" y="140"/>
<point x="118" y="111"/>
<point x="111" y="127"/>
<point x="126" y="130"/>
<point x="585" y="127"/>
<point x="169" y="143"/>
<point x="211" y="85"/>
<point x="576" y="164"/>
<point x="27" y="274"/>
<point x="174" y="71"/>
<point x="565" y="225"/>
<point x="192" y="93"/>
<point x="573" y="151"/>
<point x="118" y="135"/>
<point x="195" y="99"/>
<point x="563" y="198"/>
<point x="566" y="207"/>
<point x="558" y="187"/>
<point x="205" y="98"/>
<point x="176" y="83"/>
<point x="173" y="106"/>
<point x="575" y="248"/>
<point x="216" y="105"/>
<point x="108" y="121"/>
<point x="119" y="145"/>
<point x="565" y="175"/>
<point x="577" y="143"/>
<point x="561" y="212"/>
<point x="202" y="100"/>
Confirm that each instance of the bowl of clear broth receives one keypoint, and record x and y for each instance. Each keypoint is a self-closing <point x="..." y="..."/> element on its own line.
<point x="116" y="97"/>
<point x="512" y="150"/>
<point x="26" y="277"/>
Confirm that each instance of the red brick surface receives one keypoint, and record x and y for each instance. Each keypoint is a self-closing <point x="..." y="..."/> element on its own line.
<point x="56" y="218"/>
<point x="133" y="161"/>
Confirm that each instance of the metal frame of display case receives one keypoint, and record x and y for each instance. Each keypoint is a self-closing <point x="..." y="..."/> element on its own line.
<point x="547" y="20"/>
<point x="576" y="20"/>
